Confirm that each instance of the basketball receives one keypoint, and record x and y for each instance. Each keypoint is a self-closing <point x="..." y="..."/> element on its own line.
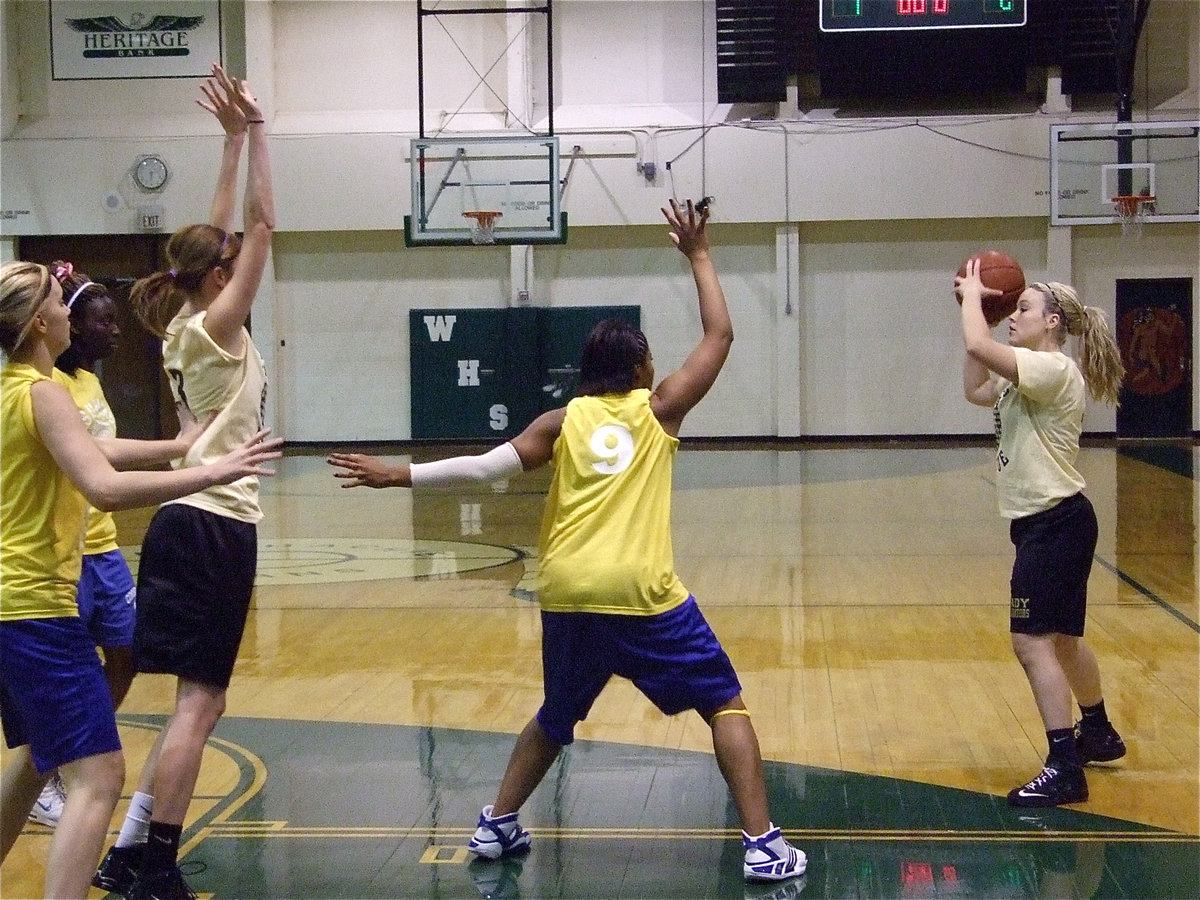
<point x="1001" y="272"/>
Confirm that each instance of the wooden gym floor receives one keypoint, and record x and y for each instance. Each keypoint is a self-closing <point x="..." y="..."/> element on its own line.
<point x="393" y="653"/>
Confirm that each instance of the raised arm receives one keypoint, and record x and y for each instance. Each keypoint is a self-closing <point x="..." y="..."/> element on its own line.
<point x="984" y="353"/>
<point x="79" y="456"/>
<point x="978" y="385"/>
<point x="231" y="101"/>
<point x="681" y="390"/>
<point x="218" y="102"/>
<point x="530" y="449"/>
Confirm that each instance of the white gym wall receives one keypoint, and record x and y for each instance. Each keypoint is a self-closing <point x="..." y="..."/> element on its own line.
<point x="836" y="238"/>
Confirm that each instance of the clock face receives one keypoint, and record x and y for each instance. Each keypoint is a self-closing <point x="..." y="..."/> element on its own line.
<point x="150" y="173"/>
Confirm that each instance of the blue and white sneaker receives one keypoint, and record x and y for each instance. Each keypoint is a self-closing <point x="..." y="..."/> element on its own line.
<point x="49" y="806"/>
<point x="770" y="858"/>
<point x="498" y="837"/>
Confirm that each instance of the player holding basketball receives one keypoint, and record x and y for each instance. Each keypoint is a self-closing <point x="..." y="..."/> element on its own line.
<point x="611" y="601"/>
<point x="1038" y="393"/>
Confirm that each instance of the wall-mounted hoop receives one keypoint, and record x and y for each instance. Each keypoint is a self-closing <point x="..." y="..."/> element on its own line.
<point x="481" y="225"/>
<point x="1131" y="210"/>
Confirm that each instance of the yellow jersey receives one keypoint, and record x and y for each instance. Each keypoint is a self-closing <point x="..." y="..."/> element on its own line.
<point x="100" y="422"/>
<point x="606" y="533"/>
<point x="42" y="515"/>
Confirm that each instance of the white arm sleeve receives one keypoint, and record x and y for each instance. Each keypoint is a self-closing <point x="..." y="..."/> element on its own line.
<point x="499" y="462"/>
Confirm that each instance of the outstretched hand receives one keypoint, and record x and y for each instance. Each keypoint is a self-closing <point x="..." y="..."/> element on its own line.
<point x="360" y="470"/>
<point x="248" y="458"/>
<point x="229" y="100"/>
<point x="687" y="227"/>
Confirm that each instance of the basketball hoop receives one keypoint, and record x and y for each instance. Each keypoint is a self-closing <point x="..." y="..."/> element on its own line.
<point x="1131" y="210"/>
<point x="481" y="226"/>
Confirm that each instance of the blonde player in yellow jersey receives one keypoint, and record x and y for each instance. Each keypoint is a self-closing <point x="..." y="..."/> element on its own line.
<point x="106" y="592"/>
<point x="611" y="601"/>
<point x="55" y="705"/>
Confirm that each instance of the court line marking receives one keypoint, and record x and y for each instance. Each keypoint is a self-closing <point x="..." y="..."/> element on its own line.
<point x="1149" y="594"/>
<point x="216" y="822"/>
<point x="275" y="830"/>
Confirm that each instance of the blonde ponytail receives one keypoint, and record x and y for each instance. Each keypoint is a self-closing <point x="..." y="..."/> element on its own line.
<point x="1099" y="355"/>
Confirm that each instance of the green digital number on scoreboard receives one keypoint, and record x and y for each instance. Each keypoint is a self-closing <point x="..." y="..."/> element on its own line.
<point x="904" y="15"/>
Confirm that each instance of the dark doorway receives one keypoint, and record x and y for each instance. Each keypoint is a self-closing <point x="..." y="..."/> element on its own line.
<point x="1154" y="331"/>
<point x="132" y="377"/>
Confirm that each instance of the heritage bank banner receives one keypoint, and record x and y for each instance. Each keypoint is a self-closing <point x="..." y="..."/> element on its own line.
<point x="134" y="38"/>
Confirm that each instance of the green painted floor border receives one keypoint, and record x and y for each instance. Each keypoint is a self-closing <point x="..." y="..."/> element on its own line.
<point x="324" y="810"/>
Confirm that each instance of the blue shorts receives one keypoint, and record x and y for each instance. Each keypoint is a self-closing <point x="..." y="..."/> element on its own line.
<point x="673" y="658"/>
<point x="107" y="599"/>
<point x="53" y="694"/>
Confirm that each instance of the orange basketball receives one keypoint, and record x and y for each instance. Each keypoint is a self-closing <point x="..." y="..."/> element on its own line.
<point x="1001" y="272"/>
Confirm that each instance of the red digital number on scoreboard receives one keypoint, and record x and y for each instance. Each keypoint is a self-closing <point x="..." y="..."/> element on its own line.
<point x="921" y="7"/>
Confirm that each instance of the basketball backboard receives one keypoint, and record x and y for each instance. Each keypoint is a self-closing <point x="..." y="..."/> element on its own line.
<point x="1091" y="164"/>
<point x="515" y="178"/>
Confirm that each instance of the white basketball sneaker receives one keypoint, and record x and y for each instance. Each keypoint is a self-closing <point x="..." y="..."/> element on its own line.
<point x="49" y="806"/>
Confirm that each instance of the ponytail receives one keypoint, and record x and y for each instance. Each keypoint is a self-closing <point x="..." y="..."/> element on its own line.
<point x="1099" y="355"/>
<point x="192" y="252"/>
<point x="155" y="301"/>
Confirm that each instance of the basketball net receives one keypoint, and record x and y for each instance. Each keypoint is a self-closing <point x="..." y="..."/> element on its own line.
<point x="1131" y="211"/>
<point x="481" y="226"/>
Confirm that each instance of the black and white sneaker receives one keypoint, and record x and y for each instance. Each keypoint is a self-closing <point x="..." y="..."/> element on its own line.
<point x="1098" y="744"/>
<point x="166" y="884"/>
<point x="119" y="868"/>
<point x="1054" y="786"/>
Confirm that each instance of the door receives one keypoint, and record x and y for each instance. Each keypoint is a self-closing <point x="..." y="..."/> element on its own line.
<point x="1154" y="332"/>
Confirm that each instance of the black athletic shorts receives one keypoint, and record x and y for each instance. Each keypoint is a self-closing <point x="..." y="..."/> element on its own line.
<point x="1054" y="558"/>
<point x="195" y="579"/>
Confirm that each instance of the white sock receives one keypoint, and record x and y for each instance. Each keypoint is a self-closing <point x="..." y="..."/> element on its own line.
<point x="136" y="827"/>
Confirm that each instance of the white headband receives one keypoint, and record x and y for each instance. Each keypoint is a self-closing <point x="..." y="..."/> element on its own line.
<point x="79" y="290"/>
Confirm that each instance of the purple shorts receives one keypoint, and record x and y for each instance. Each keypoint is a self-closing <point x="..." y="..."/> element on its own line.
<point x="107" y="599"/>
<point x="53" y="694"/>
<point x="673" y="658"/>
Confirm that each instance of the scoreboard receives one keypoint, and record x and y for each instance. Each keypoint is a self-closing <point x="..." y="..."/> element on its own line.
<point x="903" y="15"/>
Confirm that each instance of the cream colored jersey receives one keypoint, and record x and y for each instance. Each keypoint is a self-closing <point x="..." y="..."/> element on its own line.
<point x="100" y="422"/>
<point x="606" y="532"/>
<point x="42" y="515"/>
<point x="208" y="380"/>
<point x="1038" y="423"/>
